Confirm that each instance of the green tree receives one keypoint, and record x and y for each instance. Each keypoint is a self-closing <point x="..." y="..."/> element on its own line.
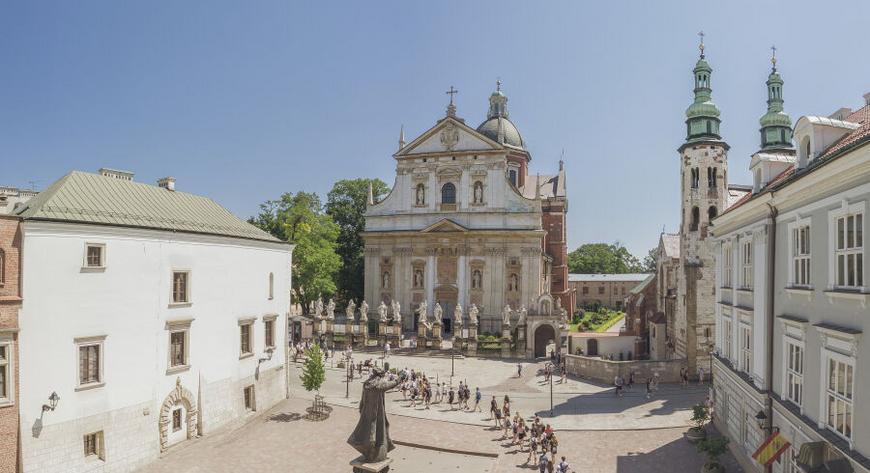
<point x="650" y="261"/>
<point x="346" y="204"/>
<point x="313" y="372"/>
<point x="595" y="258"/>
<point x="300" y="219"/>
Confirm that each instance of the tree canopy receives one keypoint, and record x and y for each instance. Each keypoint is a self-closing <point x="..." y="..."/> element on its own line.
<point x="346" y="204"/>
<point x="300" y="219"/>
<point x="596" y="258"/>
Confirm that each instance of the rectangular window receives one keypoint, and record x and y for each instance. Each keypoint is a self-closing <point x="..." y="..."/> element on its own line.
<point x="794" y="372"/>
<point x="838" y="394"/>
<point x="95" y="255"/>
<point x="249" y="398"/>
<point x="93" y="444"/>
<point x="245" y="339"/>
<point x="727" y="338"/>
<point x="727" y="265"/>
<point x="180" y="287"/>
<point x="177" y="348"/>
<point x="800" y="256"/>
<point x="585" y="290"/>
<point x="89" y="364"/>
<point x="746" y="261"/>
<point x="5" y="373"/>
<point x="269" y="331"/>
<point x="746" y="349"/>
<point x="849" y="251"/>
<point x="601" y="290"/>
<point x="176" y="419"/>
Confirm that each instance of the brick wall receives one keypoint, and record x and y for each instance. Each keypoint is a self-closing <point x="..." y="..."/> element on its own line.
<point x="10" y="303"/>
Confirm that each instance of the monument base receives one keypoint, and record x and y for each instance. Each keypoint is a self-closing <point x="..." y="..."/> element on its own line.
<point x="361" y="466"/>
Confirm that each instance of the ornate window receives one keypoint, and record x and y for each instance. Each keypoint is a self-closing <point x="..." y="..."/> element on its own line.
<point x="745" y="349"/>
<point x="448" y="193"/>
<point x="180" y="287"/>
<point x="90" y="362"/>
<point x="839" y="394"/>
<point x="849" y="250"/>
<point x="746" y="262"/>
<point x="794" y="372"/>
<point x="800" y="255"/>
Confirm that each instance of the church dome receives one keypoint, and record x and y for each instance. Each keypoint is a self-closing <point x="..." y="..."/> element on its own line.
<point x="512" y="136"/>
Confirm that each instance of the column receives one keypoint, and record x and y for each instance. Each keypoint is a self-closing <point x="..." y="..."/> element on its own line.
<point x="430" y="281"/>
<point x="461" y="281"/>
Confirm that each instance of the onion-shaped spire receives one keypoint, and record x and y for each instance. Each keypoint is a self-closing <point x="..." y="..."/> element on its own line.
<point x="776" y="129"/>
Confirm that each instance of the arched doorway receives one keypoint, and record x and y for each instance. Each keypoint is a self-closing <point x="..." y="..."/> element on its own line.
<point x="446" y="295"/>
<point x="592" y="347"/>
<point x="178" y="416"/>
<point x="544" y="335"/>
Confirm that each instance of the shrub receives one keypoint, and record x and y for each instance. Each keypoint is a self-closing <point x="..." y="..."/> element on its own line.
<point x="313" y="373"/>
<point x="700" y="416"/>
<point x="713" y="447"/>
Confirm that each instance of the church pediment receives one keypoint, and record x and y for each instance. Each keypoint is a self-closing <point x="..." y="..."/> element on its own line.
<point x="444" y="226"/>
<point x="447" y="136"/>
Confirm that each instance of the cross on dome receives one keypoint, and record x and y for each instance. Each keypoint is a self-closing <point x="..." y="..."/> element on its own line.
<point x="701" y="46"/>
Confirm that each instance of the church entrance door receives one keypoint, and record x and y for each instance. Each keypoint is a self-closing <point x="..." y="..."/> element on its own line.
<point x="447" y="297"/>
<point x="544" y="335"/>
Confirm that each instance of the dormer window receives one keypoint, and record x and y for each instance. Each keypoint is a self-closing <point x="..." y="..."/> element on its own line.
<point x="512" y="175"/>
<point x="805" y="152"/>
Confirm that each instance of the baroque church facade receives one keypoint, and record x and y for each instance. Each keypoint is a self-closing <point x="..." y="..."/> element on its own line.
<point x="465" y="223"/>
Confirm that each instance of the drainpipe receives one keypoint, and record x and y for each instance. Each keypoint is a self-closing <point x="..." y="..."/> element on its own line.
<point x="771" y="289"/>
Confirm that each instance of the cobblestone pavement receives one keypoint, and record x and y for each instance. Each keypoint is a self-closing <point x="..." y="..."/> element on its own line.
<point x="281" y="440"/>
<point x="577" y="404"/>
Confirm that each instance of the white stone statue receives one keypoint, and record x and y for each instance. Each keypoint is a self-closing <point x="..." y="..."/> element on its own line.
<point x="418" y="278"/>
<point x="330" y="310"/>
<point x="386" y="279"/>
<point x="478" y="193"/>
<point x="506" y="316"/>
<point x="312" y="309"/>
<point x="318" y="308"/>
<point x="397" y="313"/>
<point x="382" y="312"/>
<point x="421" y="195"/>
<point x="422" y="316"/>
<point x="349" y="311"/>
<point x="472" y="315"/>
<point x="563" y="314"/>
<point x="522" y="319"/>
<point x="457" y="317"/>
<point x="475" y="279"/>
<point x="364" y="312"/>
<point x="437" y="313"/>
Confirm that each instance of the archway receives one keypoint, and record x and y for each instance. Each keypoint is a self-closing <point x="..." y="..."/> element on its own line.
<point x="592" y="347"/>
<point x="178" y="417"/>
<point x="544" y="335"/>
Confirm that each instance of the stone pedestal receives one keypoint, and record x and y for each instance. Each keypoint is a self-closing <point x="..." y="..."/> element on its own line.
<point x="506" y="342"/>
<point x="471" y="341"/>
<point x="421" y="337"/>
<point x="521" y="340"/>
<point x="436" y="335"/>
<point x="360" y="465"/>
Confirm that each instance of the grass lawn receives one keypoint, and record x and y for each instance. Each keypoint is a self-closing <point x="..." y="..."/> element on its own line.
<point x="598" y="321"/>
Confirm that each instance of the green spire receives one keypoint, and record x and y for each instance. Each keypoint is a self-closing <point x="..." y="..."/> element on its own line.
<point x="702" y="117"/>
<point x="776" y="129"/>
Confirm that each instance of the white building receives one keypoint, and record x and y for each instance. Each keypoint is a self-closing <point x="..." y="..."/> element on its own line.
<point x="792" y="295"/>
<point x="154" y="315"/>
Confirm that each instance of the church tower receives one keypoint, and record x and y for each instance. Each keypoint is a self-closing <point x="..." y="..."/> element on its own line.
<point x="704" y="166"/>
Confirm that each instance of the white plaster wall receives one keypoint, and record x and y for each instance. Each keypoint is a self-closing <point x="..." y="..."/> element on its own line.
<point x="128" y="302"/>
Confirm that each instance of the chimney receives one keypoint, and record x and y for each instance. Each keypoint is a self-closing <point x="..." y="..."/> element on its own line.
<point x="867" y="98"/>
<point x="167" y="183"/>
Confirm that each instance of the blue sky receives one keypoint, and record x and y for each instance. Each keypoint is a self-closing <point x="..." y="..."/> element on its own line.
<point x="242" y="101"/>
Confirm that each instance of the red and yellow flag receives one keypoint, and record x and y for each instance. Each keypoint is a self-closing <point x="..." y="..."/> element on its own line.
<point x="771" y="449"/>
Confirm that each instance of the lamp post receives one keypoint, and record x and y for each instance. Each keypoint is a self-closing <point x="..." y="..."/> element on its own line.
<point x="551" y="395"/>
<point x="349" y="367"/>
<point x="452" y="356"/>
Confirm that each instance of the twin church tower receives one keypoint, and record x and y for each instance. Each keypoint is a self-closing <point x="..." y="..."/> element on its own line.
<point x="705" y="193"/>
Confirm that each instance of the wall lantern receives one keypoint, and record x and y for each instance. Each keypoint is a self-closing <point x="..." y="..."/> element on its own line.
<point x="52" y="402"/>
<point x="761" y="418"/>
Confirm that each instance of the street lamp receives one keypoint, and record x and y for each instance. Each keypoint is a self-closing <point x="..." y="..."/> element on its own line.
<point x="452" y="356"/>
<point x="551" y="395"/>
<point x="52" y="402"/>
<point x="349" y="367"/>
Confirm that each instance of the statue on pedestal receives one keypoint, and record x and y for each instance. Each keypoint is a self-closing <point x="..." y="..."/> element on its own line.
<point x="330" y="310"/>
<point x="382" y="312"/>
<point x="472" y="315"/>
<point x="422" y="316"/>
<point x="371" y="437"/>
<point x="506" y="316"/>
<point x="457" y="317"/>
<point x="363" y="312"/>
<point x="437" y="313"/>
<point x="397" y="313"/>
<point x="522" y="319"/>
<point x="349" y="311"/>
<point x="312" y="310"/>
<point x="318" y="308"/>
<point x="563" y="314"/>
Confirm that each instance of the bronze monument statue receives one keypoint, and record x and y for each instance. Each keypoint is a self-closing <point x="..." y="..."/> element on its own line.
<point x="371" y="437"/>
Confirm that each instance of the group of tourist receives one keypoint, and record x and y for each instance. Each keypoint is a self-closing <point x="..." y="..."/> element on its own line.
<point x="419" y="389"/>
<point x="540" y="438"/>
<point x="621" y="384"/>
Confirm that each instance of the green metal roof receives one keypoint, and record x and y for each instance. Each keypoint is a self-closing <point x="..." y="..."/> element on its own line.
<point x="83" y="197"/>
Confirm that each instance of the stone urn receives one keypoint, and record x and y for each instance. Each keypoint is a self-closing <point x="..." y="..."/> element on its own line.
<point x="696" y="434"/>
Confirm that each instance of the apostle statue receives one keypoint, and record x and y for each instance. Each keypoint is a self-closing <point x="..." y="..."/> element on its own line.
<point x="363" y="312"/>
<point x="318" y="308"/>
<point x="437" y="313"/>
<point x="371" y="437"/>
<point x="386" y="279"/>
<point x="522" y="319"/>
<point x="421" y="195"/>
<point x="312" y="309"/>
<point x="478" y="193"/>
<point x="457" y="317"/>
<point x="397" y="313"/>
<point x="472" y="315"/>
<point x="422" y="316"/>
<point x="330" y="310"/>
<point x="382" y="312"/>
<point x="563" y="314"/>
<point x="506" y="316"/>
<point x="350" y="311"/>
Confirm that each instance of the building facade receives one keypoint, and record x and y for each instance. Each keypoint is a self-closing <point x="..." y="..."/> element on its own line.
<point x="12" y="197"/>
<point x="605" y="290"/>
<point x="10" y="305"/>
<point x="465" y="223"/>
<point x="157" y="316"/>
<point x="640" y="307"/>
<point x="792" y="294"/>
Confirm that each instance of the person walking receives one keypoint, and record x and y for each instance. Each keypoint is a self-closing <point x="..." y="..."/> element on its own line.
<point x="630" y="379"/>
<point x="564" y="374"/>
<point x="477" y="396"/>
<point x="450" y="396"/>
<point x="648" y="387"/>
<point x="542" y="462"/>
<point x="496" y="413"/>
<point x="519" y="370"/>
<point x="563" y="466"/>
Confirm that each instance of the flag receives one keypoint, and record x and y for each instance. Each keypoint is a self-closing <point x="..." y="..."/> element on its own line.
<point x="771" y="449"/>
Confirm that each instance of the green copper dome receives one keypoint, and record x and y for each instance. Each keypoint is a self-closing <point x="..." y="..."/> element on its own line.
<point x="702" y="116"/>
<point x="776" y="129"/>
<point x="497" y="126"/>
